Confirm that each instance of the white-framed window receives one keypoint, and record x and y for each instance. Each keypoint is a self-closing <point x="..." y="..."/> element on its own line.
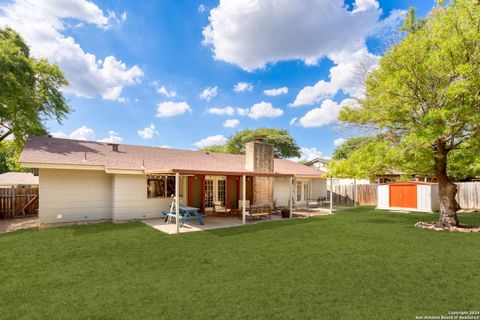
<point x="162" y="186"/>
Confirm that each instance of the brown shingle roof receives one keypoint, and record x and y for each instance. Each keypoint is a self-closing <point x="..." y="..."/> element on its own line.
<point x="55" y="151"/>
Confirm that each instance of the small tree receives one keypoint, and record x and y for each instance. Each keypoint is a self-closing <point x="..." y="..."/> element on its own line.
<point x="424" y="101"/>
<point x="30" y="89"/>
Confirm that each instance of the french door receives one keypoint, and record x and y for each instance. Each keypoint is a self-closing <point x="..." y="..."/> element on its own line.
<point x="215" y="190"/>
<point x="302" y="190"/>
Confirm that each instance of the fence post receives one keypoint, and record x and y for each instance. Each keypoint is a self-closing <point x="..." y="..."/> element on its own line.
<point x="14" y="202"/>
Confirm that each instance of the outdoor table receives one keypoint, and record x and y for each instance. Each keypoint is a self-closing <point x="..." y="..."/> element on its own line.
<point x="187" y="214"/>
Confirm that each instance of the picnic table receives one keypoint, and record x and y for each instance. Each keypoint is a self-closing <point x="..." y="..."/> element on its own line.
<point x="186" y="214"/>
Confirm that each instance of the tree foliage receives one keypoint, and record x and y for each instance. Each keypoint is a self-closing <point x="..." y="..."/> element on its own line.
<point x="344" y="150"/>
<point x="424" y="103"/>
<point x="9" y="156"/>
<point x="284" y="144"/>
<point x="30" y="89"/>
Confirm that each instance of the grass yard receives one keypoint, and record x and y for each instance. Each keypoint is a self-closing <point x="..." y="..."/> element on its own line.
<point x="357" y="264"/>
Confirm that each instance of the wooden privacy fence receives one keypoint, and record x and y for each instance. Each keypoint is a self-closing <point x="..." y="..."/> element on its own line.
<point x="16" y="202"/>
<point x="468" y="195"/>
<point x="344" y="194"/>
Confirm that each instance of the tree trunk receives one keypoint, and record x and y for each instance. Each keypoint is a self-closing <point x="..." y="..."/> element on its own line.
<point x="447" y="190"/>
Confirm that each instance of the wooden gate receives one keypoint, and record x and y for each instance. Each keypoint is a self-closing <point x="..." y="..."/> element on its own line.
<point x="15" y="202"/>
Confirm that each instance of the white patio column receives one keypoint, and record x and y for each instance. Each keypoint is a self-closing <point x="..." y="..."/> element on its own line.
<point x="290" y="201"/>
<point x="177" y="201"/>
<point x="244" y="199"/>
<point x="331" y="194"/>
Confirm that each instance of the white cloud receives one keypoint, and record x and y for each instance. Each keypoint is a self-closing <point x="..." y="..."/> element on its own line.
<point x="251" y="34"/>
<point x="276" y="92"/>
<point x="59" y="134"/>
<point x="211" y="141"/>
<point x="242" y="111"/>
<point x="165" y="146"/>
<point x="171" y="109"/>
<point x="221" y="111"/>
<point x="347" y="75"/>
<point x="339" y="141"/>
<point x="243" y="86"/>
<point x="323" y="115"/>
<point x="43" y="25"/>
<point x="148" y="132"/>
<point x="113" y="137"/>
<point x="231" y="123"/>
<point x="310" y="153"/>
<point x="208" y="93"/>
<point x="82" y="133"/>
<point x="167" y="93"/>
<point x="293" y="121"/>
<point x="202" y="8"/>
<point x="264" y="110"/>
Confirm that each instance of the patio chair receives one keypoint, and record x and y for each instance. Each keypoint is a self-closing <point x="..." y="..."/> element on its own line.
<point x="219" y="210"/>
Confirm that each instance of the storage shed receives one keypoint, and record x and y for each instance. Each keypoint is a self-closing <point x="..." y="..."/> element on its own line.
<point x="410" y="195"/>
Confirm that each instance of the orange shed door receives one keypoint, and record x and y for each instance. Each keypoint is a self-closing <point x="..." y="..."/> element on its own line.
<point x="403" y="195"/>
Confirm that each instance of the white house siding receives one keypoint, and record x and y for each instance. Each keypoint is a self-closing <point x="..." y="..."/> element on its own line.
<point x="281" y="191"/>
<point x="383" y="196"/>
<point x="74" y="195"/>
<point x="130" y="199"/>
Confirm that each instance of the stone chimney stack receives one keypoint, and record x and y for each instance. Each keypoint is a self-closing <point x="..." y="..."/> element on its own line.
<point x="259" y="157"/>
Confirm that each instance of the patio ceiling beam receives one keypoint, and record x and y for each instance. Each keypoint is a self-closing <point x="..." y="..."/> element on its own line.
<point x="231" y="173"/>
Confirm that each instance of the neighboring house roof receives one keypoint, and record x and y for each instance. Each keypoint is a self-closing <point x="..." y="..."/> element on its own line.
<point x="47" y="152"/>
<point x="18" y="178"/>
<point x="313" y="161"/>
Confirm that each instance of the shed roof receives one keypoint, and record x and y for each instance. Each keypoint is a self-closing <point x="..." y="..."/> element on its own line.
<point x="56" y="152"/>
<point x="18" y="178"/>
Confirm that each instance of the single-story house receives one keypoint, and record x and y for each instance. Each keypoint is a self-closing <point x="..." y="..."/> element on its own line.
<point x="89" y="180"/>
<point x="18" y="179"/>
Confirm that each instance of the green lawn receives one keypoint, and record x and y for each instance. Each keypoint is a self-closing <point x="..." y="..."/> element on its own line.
<point x="356" y="264"/>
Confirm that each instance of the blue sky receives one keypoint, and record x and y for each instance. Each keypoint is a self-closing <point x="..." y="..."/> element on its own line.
<point x="138" y="68"/>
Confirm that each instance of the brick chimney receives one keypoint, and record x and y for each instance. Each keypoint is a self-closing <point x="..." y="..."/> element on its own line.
<point x="259" y="159"/>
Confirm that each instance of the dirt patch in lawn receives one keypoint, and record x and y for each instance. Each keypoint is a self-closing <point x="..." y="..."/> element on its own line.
<point x="18" y="224"/>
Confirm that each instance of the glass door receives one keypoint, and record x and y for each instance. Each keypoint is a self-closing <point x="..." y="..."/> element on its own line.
<point x="215" y="190"/>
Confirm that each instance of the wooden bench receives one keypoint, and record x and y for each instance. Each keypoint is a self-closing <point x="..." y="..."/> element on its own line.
<point x="259" y="211"/>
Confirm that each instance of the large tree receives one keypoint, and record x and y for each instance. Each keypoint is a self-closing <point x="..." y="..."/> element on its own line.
<point x="284" y="144"/>
<point x="424" y="102"/>
<point x="30" y="89"/>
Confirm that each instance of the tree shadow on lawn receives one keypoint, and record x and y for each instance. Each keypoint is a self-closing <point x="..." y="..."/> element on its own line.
<point x="260" y="227"/>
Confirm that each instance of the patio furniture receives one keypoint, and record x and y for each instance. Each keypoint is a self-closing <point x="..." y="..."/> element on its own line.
<point x="313" y="203"/>
<point x="259" y="211"/>
<point x="186" y="214"/>
<point x="219" y="210"/>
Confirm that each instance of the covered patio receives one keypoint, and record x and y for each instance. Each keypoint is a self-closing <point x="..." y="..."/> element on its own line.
<point x="215" y="222"/>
